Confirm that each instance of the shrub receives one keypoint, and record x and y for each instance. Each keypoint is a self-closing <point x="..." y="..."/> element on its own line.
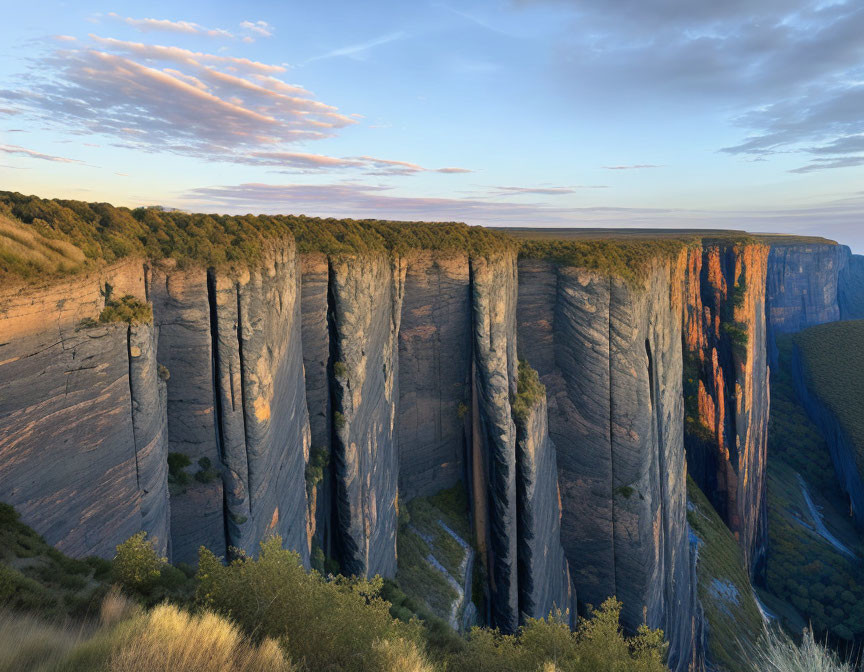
<point x="340" y="370"/>
<point x="137" y="566"/>
<point x="206" y="473"/>
<point x="778" y="653"/>
<point x="319" y="458"/>
<point x="529" y="392"/>
<point x="128" y="309"/>
<point x="325" y="624"/>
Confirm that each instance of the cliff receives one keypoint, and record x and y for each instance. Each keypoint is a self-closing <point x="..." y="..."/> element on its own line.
<point x="609" y="355"/>
<point x="82" y="436"/>
<point x="726" y="385"/>
<point x="801" y="288"/>
<point x="850" y="291"/>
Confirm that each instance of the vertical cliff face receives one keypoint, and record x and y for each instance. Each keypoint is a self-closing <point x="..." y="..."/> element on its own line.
<point x="434" y="373"/>
<point x="82" y="449"/>
<point x="850" y="291"/>
<point x="610" y="357"/>
<point x="366" y="297"/>
<point x="493" y="299"/>
<point x="544" y="574"/>
<point x="182" y="313"/>
<point x="802" y="288"/>
<point x="262" y="421"/>
<point x="726" y="376"/>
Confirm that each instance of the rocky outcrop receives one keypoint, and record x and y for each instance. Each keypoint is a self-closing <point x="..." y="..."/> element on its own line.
<point x="726" y="390"/>
<point x="610" y="358"/>
<point x="544" y="575"/>
<point x="82" y="450"/>
<point x="493" y="301"/>
<point x="366" y="304"/>
<point x="434" y="373"/>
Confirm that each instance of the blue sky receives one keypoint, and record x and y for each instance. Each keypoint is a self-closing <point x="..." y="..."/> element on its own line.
<point x="742" y="114"/>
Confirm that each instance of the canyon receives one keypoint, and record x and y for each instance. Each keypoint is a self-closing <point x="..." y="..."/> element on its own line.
<point x="412" y="370"/>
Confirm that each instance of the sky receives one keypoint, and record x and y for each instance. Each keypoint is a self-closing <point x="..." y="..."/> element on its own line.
<point x="743" y="114"/>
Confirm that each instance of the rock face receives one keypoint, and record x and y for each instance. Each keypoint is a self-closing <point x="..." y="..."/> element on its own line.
<point x="850" y="293"/>
<point x="726" y="395"/>
<point x="182" y="313"/>
<point x="802" y="288"/>
<point x="544" y="575"/>
<point x="610" y="357"/>
<point x="82" y="449"/>
<point x="493" y="297"/>
<point x="262" y="420"/>
<point x="367" y="300"/>
<point x="434" y="373"/>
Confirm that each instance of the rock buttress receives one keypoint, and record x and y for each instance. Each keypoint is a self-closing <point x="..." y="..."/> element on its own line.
<point x="726" y="385"/>
<point x="366" y="298"/>
<point x="610" y="358"/>
<point x="182" y="313"/>
<point x="544" y="576"/>
<point x="263" y="424"/>
<point x="850" y="294"/>
<point x="434" y="373"/>
<point x="493" y="296"/>
<point x="68" y="460"/>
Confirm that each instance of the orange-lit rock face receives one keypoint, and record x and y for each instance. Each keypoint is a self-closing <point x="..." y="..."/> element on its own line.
<point x="724" y="338"/>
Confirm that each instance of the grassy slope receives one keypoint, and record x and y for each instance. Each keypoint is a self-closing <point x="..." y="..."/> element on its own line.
<point x="724" y="587"/>
<point x="834" y="361"/>
<point x="809" y="579"/>
<point x="416" y="577"/>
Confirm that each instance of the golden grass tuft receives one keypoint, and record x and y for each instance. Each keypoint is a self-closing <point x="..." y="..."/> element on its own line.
<point x="26" y="252"/>
<point x="27" y="643"/>
<point x="402" y="655"/>
<point x="167" y="638"/>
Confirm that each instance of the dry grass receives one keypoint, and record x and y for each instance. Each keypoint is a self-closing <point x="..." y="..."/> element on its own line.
<point x="28" y="644"/>
<point x="401" y="655"/>
<point x="27" y="252"/>
<point x="167" y="638"/>
<point x="778" y="653"/>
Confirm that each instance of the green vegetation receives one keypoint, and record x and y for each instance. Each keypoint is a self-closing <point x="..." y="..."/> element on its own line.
<point x="629" y="259"/>
<point x="36" y="577"/>
<point x="724" y="588"/>
<point x="319" y="458"/>
<point x="43" y="237"/>
<point x="461" y="410"/>
<point x="811" y="581"/>
<point x="421" y="535"/>
<point x="178" y="477"/>
<point x="340" y="370"/>
<point x="529" y="392"/>
<point x="206" y="472"/>
<point x="833" y="356"/>
<point x="269" y="615"/>
<point x="127" y="309"/>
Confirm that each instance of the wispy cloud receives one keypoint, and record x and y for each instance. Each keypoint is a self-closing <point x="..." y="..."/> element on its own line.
<point x="166" y="25"/>
<point x="370" y="165"/>
<point x="32" y="154"/>
<point x="358" y="50"/>
<point x="635" y="166"/>
<point x="259" y="28"/>
<point x="544" y="191"/>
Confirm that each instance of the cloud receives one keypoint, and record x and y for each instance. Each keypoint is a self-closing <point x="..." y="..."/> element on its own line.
<point x="357" y="50"/>
<point x="543" y="191"/>
<point x="794" y="67"/>
<point x="260" y="28"/>
<point x="636" y="166"/>
<point x="166" y="25"/>
<point x="31" y="154"/>
<point x="194" y="107"/>
<point x="839" y="219"/>
<point x="317" y="162"/>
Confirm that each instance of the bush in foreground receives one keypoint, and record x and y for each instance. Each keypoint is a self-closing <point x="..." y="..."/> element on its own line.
<point x="777" y="653"/>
